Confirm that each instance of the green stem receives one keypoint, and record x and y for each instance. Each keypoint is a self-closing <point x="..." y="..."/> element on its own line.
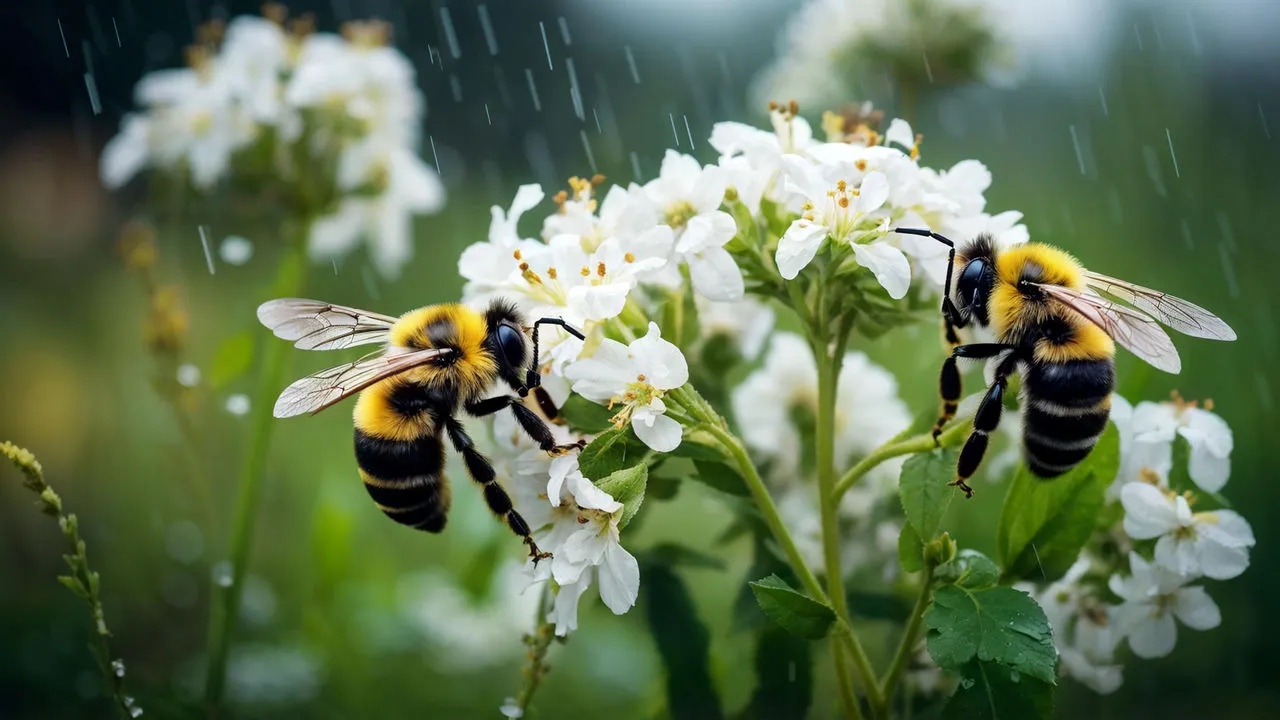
<point x="957" y="432"/>
<point x="900" y="658"/>
<point x="539" y="642"/>
<point x="289" y="283"/>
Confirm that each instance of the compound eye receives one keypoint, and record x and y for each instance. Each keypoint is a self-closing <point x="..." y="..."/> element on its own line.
<point x="970" y="282"/>
<point x="511" y="343"/>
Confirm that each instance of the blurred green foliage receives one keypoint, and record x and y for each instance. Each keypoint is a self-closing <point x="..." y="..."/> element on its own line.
<point x="332" y="602"/>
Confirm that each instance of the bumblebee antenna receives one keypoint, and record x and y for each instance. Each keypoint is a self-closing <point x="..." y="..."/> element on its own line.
<point x="531" y="378"/>
<point x="948" y="309"/>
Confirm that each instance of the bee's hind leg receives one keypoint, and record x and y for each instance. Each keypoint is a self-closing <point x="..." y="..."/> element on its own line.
<point x="949" y="386"/>
<point x="985" y="420"/>
<point x="529" y="422"/>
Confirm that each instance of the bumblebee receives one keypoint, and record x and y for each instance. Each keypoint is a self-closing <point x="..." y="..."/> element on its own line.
<point x="435" y="362"/>
<point x="1057" y="324"/>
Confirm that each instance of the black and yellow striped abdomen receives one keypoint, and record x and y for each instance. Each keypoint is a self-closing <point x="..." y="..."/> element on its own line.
<point x="1066" y="406"/>
<point x="405" y="478"/>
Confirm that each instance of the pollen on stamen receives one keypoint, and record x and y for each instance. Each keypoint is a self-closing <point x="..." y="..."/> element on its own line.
<point x="600" y="270"/>
<point x="1149" y="476"/>
<point x="807" y="206"/>
<point x="861" y="165"/>
<point x="640" y="377"/>
<point x="524" y="266"/>
<point x="629" y="257"/>
<point x="586" y="271"/>
<point x="629" y="395"/>
<point x="551" y="273"/>
<point x="843" y="201"/>
<point x="794" y="107"/>
<point x="841" y="185"/>
<point x="831" y="193"/>
<point x="516" y="255"/>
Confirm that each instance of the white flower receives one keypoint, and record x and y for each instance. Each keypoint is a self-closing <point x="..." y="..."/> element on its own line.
<point x="868" y="410"/>
<point x="489" y="266"/>
<point x="635" y="376"/>
<point x="762" y="149"/>
<point x="748" y="322"/>
<point x="1153" y="597"/>
<point x="1147" y="435"/>
<point x="841" y="201"/>
<point x="690" y="196"/>
<point x="1215" y="544"/>
<point x="1082" y="631"/>
<point x="625" y="213"/>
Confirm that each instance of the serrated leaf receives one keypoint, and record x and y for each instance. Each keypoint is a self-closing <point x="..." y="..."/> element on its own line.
<point x="910" y="549"/>
<point x="784" y="676"/>
<point x="586" y="416"/>
<point x="684" y="644"/>
<point x="996" y="624"/>
<point x="794" y="612"/>
<point x="1045" y="523"/>
<point x="747" y="614"/>
<point x="672" y="554"/>
<point x="970" y="569"/>
<point x="924" y="490"/>
<point x="991" y="691"/>
<point x="627" y="487"/>
<point x="721" y="477"/>
<point x="609" y="452"/>
<point x="232" y="359"/>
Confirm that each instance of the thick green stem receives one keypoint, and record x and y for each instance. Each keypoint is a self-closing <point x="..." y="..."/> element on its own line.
<point x="953" y="435"/>
<point x="900" y="658"/>
<point x="226" y="609"/>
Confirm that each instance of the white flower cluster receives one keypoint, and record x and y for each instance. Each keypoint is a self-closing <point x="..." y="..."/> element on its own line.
<point x="299" y="106"/>
<point x="1188" y="546"/>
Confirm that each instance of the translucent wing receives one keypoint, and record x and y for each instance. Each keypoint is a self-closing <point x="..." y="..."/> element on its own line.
<point x="315" y="325"/>
<point x="1175" y="312"/>
<point x="318" y="391"/>
<point x="1134" y="331"/>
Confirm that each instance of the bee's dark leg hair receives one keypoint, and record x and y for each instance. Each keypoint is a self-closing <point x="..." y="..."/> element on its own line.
<point x="498" y="500"/>
<point x="531" y="377"/>
<point x="948" y="308"/>
<point x="985" y="421"/>
<point x="949" y="386"/>
<point x="528" y="419"/>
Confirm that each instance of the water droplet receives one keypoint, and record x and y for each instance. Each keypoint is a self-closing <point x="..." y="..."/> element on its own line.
<point x="510" y="709"/>
<point x="188" y="375"/>
<point x="238" y="404"/>
<point x="117" y="666"/>
<point x="1015" y="676"/>
<point x="222" y="574"/>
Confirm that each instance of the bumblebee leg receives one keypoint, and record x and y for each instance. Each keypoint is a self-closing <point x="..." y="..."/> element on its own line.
<point x="949" y="386"/>
<point x="528" y="419"/>
<point x="498" y="500"/>
<point x="531" y="377"/>
<point x="985" y="421"/>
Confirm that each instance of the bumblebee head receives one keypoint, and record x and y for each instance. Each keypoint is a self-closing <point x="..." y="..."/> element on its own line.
<point x="974" y="271"/>
<point x="506" y="340"/>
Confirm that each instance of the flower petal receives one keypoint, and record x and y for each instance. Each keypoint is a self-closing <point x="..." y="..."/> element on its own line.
<point x="1221" y="562"/>
<point x="619" y="579"/>
<point x="899" y="133"/>
<point x="1178" y="555"/>
<point x="708" y="230"/>
<point x="657" y="431"/>
<point x="873" y="192"/>
<point x="716" y="275"/>
<point x="336" y="234"/>
<point x="126" y="153"/>
<point x="1196" y="609"/>
<point x="887" y="263"/>
<point x="1148" y="512"/>
<point x="661" y="362"/>
<point x="798" y="246"/>
<point x="1153" y="636"/>
<point x="564" y="613"/>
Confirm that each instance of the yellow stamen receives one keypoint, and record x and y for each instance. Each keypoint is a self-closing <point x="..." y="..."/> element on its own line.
<point x="629" y="257"/>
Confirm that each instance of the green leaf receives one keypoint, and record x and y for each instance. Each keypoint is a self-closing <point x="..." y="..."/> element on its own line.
<point x="924" y="490"/>
<point x="991" y="691"/>
<point x="747" y="614"/>
<point x="1045" y="523"/>
<point x="683" y="644"/>
<point x="74" y="586"/>
<point x="721" y="477"/>
<point x="970" y="569"/>
<point x="784" y="676"/>
<point x="796" y="613"/>
<point x="997" y="624"/>
<point x="672" y="554"/>
<point x="231" y="360"/>
<point x="586" y="416"/>
<point x="609" y="452"/>
<point x="910" y="549"/>
<point x="627" y="487"/>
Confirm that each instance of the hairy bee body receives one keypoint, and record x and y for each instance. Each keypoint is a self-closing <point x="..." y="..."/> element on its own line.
<point x="1067" y="362"/>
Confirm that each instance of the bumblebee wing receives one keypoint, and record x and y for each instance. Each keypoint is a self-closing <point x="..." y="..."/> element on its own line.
<point x="318" y="391"/>
<point x="1134" y="331"/>
<point x="316" y="325"/>
<point x="1185" y="317"/>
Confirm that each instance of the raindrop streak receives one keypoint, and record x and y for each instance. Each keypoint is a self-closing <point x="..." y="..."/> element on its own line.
<point x="63" y="35"/>
<point x="533" y="90"/>
<point x="674" y="134"/>
<point x="1224" y="224"/>
<point x="334" y="261"/>
<point x="927" y="70"/>
<point x="1186" y="234"/>
<point x="545" y="45"/>
<point x="1076" y="142"/>
<point x="1265" y="130"/>
<point x="688" y="132"/>
<point x="449" y="35"/>
<point x="500" y="78"/>
<point x="487" y="116"/>
<point x="434" y="156"/>
<point x="1138" y="34"/>
<point x="635" y="165"/>
<point x="1040" y="564"/>
<point x="1102" y="96"/>
<point x="1153" y="169"/>
<point x="586" y="145"/>
<point x="208" y="256"/>
<point x="1233" y="288"/>
<point x="1172" y="154"/>
<point x="489" y="38"/>
<point x="370" y="286"/>
<point x="1159" y="38"/>
<point x="564" y="30"/>
<point x="117" y="29"/>
<point x="92" y="86"/>
<point x="575" y="91"/>
<point x="596" y="115"/>
<point x="455" y="85"/>
<point x="1195" y="39"/>
<point x="631" y="63"/>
